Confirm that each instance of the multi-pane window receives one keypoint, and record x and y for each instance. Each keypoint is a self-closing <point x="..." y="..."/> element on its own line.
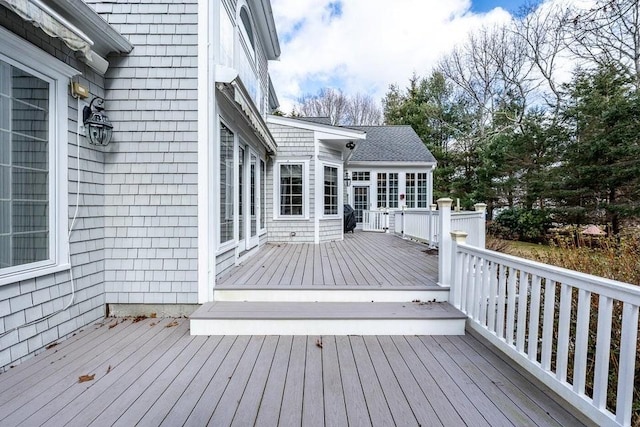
<point x="330" y="190"/>
<point x="291" y="191"/>
<point x="24" y="167"/>
<point x="382" y="190"/>
<point x="263" y="193"/>
<point x="393" y="190"/>
<point x="411" y="190"/>
<point x="226" y="183"/>
<point x="360" y="176"/>
<point x="387" y="190"/>
<point x="422" y="190"/>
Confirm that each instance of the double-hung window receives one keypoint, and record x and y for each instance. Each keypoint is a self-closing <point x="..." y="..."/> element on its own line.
<point x="330" y="190"/>
<point x="33" y="150"/>
<point x="291" y="189"/>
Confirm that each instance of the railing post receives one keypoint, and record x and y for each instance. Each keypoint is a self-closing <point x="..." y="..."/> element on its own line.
<point x="481" y="207"/>
<point x="403" y="208"/>
<point x="455" y="295"/>
<point x="444" y="244"/>
<point x="431" y="231"/>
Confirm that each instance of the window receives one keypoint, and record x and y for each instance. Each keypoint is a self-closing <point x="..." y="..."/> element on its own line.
<point x="330" y="190"/>
<point x="226" y="38"/>
<point x="387" y="190"/>
<point x="33" y="161"/>
<point x="247" y="29"/>
<point x="382" y="190"/>
<point x="226" y="183"/>
<point x="393" y="190"/>
<point x="422" y="190"/>
<point x="411" y="190"/>
<point x="291" y="189"/>
<point x="360" y="176"/>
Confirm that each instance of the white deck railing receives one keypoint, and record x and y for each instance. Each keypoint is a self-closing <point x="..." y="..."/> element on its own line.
<point x="554" y="323"/>
<point x="375" y="221"/>
<point x="424" y="224"/>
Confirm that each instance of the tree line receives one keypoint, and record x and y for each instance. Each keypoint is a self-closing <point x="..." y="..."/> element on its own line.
<point x="540" y="114"/>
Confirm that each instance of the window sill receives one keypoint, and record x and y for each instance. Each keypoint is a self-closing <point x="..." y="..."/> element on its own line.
<point x="20" y="276"/>
<point x="330" y="217"/>
<point x="291" y="218"/>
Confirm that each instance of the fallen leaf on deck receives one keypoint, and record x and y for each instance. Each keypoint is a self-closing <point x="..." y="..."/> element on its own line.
<point x="138" y="319"/>
<point x="152" y="315"/>
<point x="85" y="378"/>
<point x="113" y="325"/>
<point x="319" y="343"/>
<point x="109" y="369"/>
<point x="172" y="324"/>
<point x="152" y="324"/>
<point x="53" y="344"/>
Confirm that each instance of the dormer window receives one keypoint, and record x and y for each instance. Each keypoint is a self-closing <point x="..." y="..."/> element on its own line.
<point x="247" y="30"/>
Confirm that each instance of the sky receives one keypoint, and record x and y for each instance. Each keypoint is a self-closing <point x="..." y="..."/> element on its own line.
<point x="363" y="46"/>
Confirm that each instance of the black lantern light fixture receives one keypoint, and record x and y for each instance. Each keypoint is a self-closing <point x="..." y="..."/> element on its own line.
<point x="351" y="145"/>
<point x="347" y="179"/>
<point x="98" y="125"/>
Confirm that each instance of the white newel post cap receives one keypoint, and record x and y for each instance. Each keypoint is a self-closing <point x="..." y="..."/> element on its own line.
<point x="480" y="207"/>
<point x="445" y="202"/>
<point x="458" y="236"/>
<point x="433" y="206"/>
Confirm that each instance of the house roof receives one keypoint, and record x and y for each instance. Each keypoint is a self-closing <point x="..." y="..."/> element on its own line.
<point x="318" y="120"/>
<point x="391" y="144"/>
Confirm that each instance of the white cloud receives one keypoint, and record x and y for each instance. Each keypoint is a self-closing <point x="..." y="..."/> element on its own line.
<point x="372" y="44"/>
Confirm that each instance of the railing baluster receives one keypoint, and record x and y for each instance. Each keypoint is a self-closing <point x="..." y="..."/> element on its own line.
<point x="493" y="288"/>
<point x="521" y="327"/>
<point x="582" y="340"/>
<point x="534" y="318"/>
<point x="603" y="352"/>
<point x="502" y="300"/>
<point x="484" y="292"/>
<point x="477" y="284"/>
<point x="547" y="326"/>
<point x="511" y="305"/>
<point x="564" y="321"/>
<point x="469" y="291"/>
<point x="626" y="372"/>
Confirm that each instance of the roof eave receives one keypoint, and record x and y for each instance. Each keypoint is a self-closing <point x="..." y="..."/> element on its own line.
<point x="392" y="163"/>
<point x="317" y="127"/>
<point x="267" y="27"/>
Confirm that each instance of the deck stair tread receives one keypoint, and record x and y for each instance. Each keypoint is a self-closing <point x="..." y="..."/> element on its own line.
<point x="326" y="310"/>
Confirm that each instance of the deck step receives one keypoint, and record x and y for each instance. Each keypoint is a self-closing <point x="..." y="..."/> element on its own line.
<point x="331" y="293"/>
<point x="327" y="318"/>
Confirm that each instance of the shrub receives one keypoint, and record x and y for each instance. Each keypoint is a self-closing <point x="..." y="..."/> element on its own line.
<point x="529" y="225"/>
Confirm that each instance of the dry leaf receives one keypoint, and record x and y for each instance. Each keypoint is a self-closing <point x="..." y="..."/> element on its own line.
<point x="53" y="344"/>
<point x="85" y="378"/>
<point x="152" y="324"/>
<point x="172" y="324"/>
<point x="152" y="315"/>
<point x="319" y="342"/>
<point x="109" y="369"/>
<point x="113" y="325"/>
<point x="138" y="318"/>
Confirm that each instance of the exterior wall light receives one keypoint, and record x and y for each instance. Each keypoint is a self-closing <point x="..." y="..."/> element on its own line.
<point x="347" y="179"/>
<point x="351" y="145"/>
<point x="99" y="127"/>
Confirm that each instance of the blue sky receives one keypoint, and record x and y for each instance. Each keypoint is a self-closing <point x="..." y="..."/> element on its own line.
<point x="363" y="46"/>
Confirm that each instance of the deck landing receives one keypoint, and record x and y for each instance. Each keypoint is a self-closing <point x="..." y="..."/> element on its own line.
<point x="153" y="372"/>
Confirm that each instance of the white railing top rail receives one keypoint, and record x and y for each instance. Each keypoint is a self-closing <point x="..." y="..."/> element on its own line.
<point x="611" y="288"/>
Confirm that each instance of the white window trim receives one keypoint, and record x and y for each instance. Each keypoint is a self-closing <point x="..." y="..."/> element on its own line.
<point x="340" y="184"/>
<point x="305" y="190"/>
<point x="57" y="74"/>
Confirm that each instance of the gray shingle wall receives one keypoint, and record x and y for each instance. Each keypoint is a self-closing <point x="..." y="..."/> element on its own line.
<point x="151" y="167"/>
<point x="37" y="298"/>
<point x="330" y="229"/>
<point x="292" y="143"/>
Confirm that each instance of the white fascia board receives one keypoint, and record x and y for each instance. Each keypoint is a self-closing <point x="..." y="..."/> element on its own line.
<point x="430" y="165"/>
<point x="263" y="14"/>
<point x="323" y="131"/>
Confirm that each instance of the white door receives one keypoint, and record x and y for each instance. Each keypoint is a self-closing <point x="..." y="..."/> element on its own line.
<point x="253" y="201"/>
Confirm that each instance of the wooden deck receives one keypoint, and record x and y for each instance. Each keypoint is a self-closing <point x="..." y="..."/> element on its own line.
<point x="153" y="372"/>
<point x="361" y="259"/>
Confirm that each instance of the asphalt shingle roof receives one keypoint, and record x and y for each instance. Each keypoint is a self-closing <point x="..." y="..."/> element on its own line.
<point x="390" y="144"/>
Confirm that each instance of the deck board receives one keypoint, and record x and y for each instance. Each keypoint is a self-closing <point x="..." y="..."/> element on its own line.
<point x="376" y="260"/>
<point x="164" y="376"/>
